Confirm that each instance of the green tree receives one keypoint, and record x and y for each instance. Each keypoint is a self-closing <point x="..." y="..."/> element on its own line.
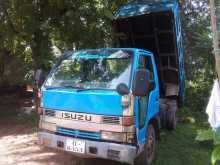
<point x="199" y="61"/>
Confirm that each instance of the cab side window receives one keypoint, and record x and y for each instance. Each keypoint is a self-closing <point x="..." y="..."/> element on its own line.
<point x="145" y="62"/>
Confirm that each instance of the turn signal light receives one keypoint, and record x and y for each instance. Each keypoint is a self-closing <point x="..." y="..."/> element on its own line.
<point x="125" y="100"/>
<point x="128" y="121"/>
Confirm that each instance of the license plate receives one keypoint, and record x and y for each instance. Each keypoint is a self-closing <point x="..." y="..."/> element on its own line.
<point x="77" y="146"/>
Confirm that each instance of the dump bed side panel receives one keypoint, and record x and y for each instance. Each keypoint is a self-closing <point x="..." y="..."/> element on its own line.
<point x="160" y="32"/>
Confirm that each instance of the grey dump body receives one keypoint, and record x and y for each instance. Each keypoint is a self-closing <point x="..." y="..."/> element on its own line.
<point x="155" y="26"/>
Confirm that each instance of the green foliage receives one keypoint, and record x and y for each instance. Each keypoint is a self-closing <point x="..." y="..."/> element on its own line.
<point x="208" y="135"/>
<point x="179" y="147"/>
<point x="204" y="135"/>
<point x="199" y="60"/>
<point x="216" y="155"/>
<point x="190" y="119"/>
<point x="197" y="94"/>
<point x="216" y="137"/>
<point x="30" y="29"/>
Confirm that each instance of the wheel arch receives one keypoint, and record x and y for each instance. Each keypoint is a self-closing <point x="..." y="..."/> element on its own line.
<point x="155" y="121"/>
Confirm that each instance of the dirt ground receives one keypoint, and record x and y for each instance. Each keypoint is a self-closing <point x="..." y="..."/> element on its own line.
<point x="18" y="142"/>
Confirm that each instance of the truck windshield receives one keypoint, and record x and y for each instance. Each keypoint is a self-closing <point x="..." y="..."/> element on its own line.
<point x="93" y="69"/>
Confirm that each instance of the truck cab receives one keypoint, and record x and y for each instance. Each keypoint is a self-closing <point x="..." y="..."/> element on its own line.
<point x="110" y="103"/>
<point x="100" y="102"/>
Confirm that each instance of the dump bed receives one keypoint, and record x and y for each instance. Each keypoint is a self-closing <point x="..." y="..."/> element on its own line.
<point x="155" y="26"/>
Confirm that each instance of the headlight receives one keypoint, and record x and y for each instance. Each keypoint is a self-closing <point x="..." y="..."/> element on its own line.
<point x="114" y="136"/>
<point x="117" y="136"/>
<point x="128" y="104"/>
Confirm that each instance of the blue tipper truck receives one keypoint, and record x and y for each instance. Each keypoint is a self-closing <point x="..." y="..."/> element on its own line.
<point x="111" y="103"/>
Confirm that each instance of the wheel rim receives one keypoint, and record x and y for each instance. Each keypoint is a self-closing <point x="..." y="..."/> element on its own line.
<point x="150" y="145"/>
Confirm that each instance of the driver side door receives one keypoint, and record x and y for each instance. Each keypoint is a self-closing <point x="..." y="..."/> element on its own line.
<point x="145" y="104"/>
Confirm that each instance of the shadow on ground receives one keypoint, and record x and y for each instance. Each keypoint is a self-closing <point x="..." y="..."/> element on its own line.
<point x="18" y="139"/>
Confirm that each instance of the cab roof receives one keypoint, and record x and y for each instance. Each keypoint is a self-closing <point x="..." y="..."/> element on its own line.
<point x="70" y="53"/>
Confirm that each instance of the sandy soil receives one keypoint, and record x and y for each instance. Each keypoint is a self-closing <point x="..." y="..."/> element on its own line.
<point x="18" y="144"/>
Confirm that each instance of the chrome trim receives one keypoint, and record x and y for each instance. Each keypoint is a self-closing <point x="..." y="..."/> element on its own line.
<point x="111" y="120"/>
<point x="127" y="152"/>
<point x="101" y="119"/>
<point x="94" y="118"/>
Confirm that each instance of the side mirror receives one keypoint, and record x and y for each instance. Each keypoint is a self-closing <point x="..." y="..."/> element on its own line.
<point x="38" y="77"/>
<point x="141" y="83"/>
<point x="122" y="89"/>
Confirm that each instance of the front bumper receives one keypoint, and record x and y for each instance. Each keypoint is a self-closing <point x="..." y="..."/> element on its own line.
<point x="106" y="150"/>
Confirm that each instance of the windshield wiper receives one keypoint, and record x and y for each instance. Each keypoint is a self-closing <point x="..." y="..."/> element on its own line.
<point x="78" y="89"/>
<point x="89" y="89"/>
<point x="66" y="86"/>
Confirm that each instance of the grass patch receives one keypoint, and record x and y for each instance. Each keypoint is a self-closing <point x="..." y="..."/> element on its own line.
<point x="180" y="148"/>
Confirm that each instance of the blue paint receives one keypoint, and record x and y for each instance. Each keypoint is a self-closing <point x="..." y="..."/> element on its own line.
<point x="79" y="134"/>
<point x="108" y="102"/>
<point x="102" y="102"/>
<point x="153" y="103"/>
<point x="137" y="8"/>
<point x="144" y="7"/>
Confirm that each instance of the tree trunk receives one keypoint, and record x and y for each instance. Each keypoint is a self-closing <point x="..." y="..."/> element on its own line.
<point x="216" y="31"/>
<point x="2" y="68"/>
<point x="3" y="61"/>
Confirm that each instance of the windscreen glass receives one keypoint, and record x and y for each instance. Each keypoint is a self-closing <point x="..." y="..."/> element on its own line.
<point x="93" y="69"/>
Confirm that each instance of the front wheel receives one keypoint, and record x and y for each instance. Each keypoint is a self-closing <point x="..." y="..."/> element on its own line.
<point x="148" y="155"/>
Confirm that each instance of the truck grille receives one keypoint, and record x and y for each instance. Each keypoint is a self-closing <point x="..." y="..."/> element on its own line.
<point x="111" y="120"/>
<point x="79" y="134"/>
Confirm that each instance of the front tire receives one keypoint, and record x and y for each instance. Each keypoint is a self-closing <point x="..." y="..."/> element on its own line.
<point x="148" y="155"/>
